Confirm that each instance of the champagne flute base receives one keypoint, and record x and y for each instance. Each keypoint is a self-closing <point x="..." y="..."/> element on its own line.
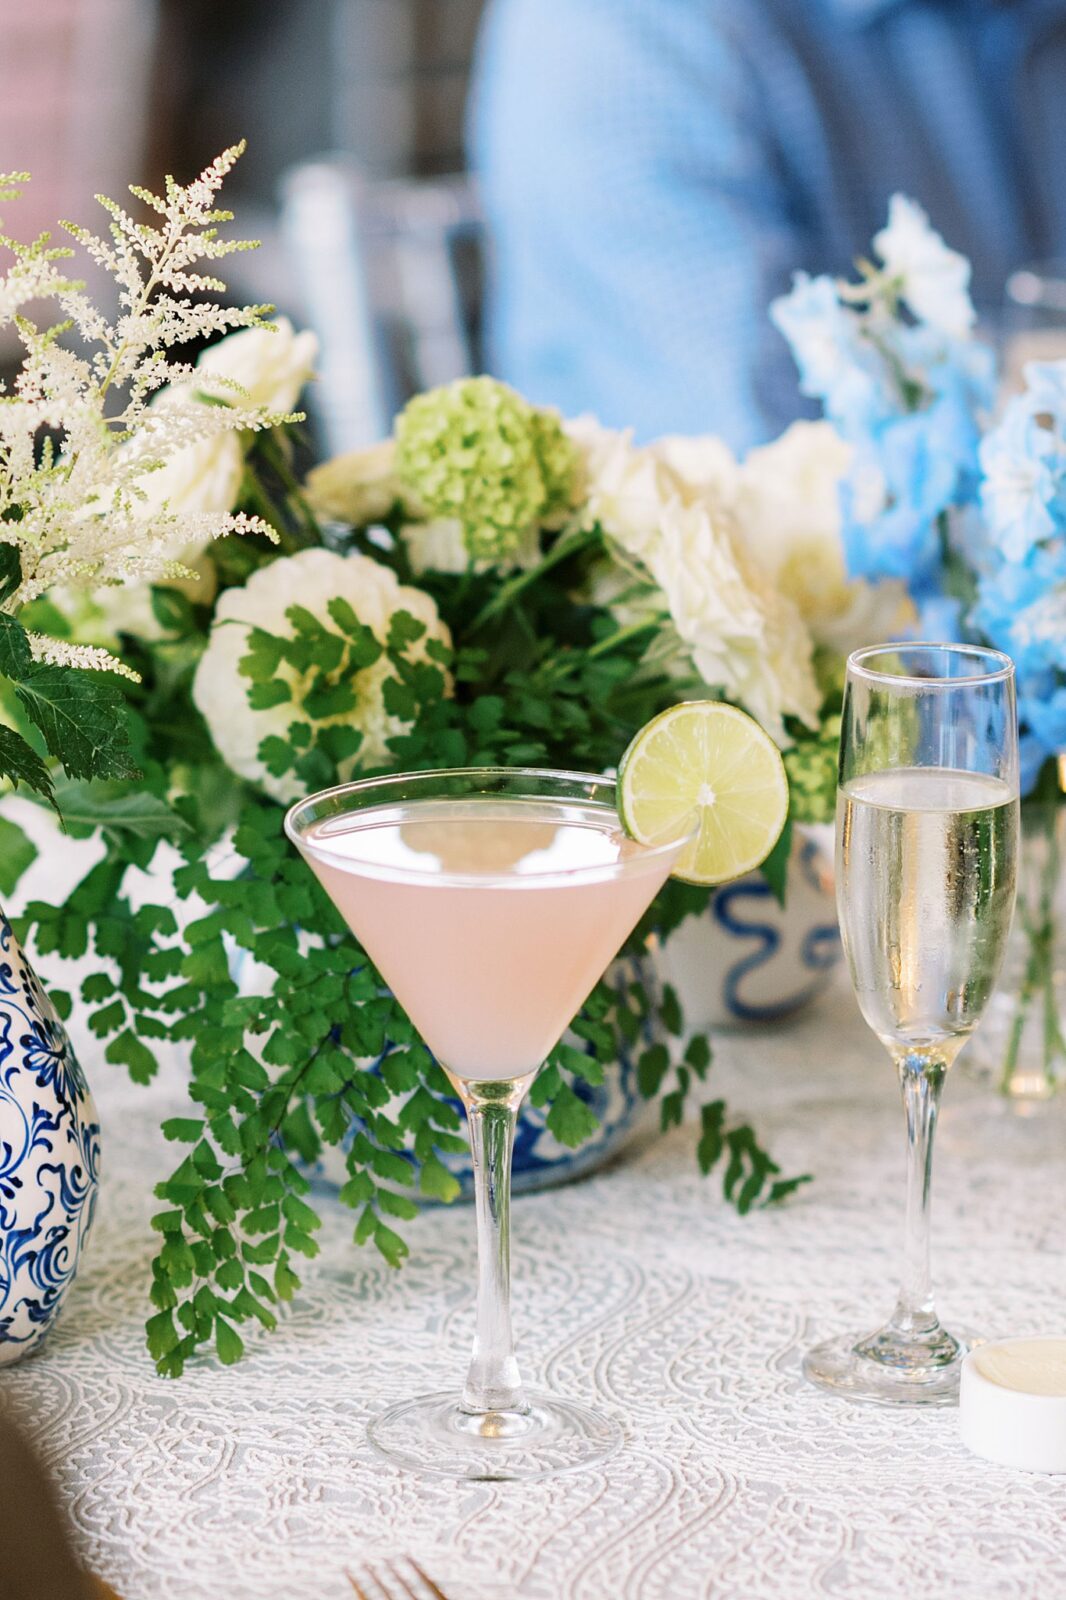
<point x="905" y="1375"/>
<point x="436" y="1436"/>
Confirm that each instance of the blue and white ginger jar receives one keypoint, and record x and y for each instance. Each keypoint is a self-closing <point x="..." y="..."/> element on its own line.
<point x="49" y="1156"/>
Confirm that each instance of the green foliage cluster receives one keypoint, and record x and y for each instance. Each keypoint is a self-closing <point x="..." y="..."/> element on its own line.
<point x="76" y="718"/>
<point x="317" y="1051"/>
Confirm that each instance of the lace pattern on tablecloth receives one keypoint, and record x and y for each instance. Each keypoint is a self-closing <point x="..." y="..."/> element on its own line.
<point x="637" y="1290"/>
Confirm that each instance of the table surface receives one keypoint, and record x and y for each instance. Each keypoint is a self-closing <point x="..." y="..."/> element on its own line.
<point x="638" y="1290"/>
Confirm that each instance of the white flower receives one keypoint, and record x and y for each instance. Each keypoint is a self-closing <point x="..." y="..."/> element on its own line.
<point x="203" y="478"/>
<point x="933" y="280"/>
<point x="625" y="488"/>
<point x="439" y="546"/>
<point x="311" y="579"/>
<point x="743" y="636"/>
<point x="787" y="512"/>
<point x="705" y="465"/>
<point x="272" y="368"/>
<point x="359" y="487"/>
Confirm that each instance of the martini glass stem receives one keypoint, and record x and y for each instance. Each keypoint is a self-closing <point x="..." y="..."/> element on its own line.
<point x="493" y="1382"/>
<point x="921" y="1077"/>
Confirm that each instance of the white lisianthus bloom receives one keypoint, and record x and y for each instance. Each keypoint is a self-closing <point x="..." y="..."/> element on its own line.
<point x="625" y="487"/>
<point x="933" y="280"/>
<point x="787" y="511"/>
<point x="311" y="579"/>
<point x="271" y="367"/>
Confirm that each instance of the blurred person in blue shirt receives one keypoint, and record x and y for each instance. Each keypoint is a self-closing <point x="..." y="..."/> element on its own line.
<point x="654" y="171"/>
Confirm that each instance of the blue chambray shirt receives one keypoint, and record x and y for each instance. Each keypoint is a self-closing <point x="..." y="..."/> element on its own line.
<point x="655" y="170"/>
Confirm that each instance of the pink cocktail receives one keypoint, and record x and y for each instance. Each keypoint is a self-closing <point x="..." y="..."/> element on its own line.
<point x="491" y="901"/>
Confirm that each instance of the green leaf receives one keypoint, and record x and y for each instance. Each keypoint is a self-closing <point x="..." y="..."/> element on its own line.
<point x="82" y="716"/>
<point x="10" y="571"/>
<point x="670" y="1011"/>
<point x="437" y="1182"/>
<point x="172" y="610"/>
<point x="127" y="1050"/>
<point x="711" y="1143"/>
<point x="781" y="1188"/>
<point x="698" y="1054"/>
<point x="228" y="1342"/>
<point x="570" y="1120"/>
<point x="652" y="1067"/>
<point x="275" y="692"/>
<point x="775" y="868"/>
<point x="117" y="809"/>
<point x="17" y="852"/>
<point x="391" y="1246"/>
<point x="15" y="658"/>
<point x="20" y="762"/>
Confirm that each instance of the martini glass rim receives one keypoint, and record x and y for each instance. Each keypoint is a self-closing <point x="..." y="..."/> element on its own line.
<point x="598" y="788"/>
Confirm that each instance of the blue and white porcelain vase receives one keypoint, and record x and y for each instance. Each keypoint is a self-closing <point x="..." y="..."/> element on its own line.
<point x="750" y="960"/>
<point x="49" y="1156"/>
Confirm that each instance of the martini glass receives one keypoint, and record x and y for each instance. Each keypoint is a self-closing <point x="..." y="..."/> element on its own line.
<point x="491" y="900"/>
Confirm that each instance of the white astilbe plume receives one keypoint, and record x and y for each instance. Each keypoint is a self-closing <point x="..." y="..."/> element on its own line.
<point x="89" y="657"/>
<point x="83" y="431"/>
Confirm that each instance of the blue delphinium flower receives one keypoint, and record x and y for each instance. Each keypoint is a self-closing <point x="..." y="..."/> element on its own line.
<point x="1021" y="563"/>
<point x="894" y="364"/>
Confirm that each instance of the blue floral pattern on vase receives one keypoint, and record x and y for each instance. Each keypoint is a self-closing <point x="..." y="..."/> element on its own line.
<point x="49" y="1156"/>
<point x="750" y="959"/>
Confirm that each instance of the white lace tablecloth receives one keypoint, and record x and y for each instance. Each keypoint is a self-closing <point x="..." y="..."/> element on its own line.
<point x="638" y="1290"/>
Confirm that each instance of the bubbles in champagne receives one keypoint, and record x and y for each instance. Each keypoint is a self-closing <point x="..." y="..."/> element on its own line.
<point x="926" y="862"/>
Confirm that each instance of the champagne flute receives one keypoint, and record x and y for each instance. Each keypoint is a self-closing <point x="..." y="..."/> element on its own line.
<point x="927" y="841"/>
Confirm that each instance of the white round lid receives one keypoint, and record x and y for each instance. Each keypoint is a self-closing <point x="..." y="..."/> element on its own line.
<point x="1012" y="1403"/>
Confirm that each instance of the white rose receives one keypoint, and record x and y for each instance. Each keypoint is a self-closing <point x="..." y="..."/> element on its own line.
<point x="933" y="280"/>
<point x="272" y="367"/>
<point x="202" y="478"/>
<point x="744" y="637"/>
<point x="358" y="487"/>
<point x="787" y="510"/>
<point x="311" y="579"/>
<point x="625" y="489"/>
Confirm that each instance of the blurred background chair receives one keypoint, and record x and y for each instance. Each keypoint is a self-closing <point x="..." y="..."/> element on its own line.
<point x="388" y="273"/>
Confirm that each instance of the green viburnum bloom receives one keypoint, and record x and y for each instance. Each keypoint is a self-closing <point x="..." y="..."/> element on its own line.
<point x="476" y="452"/>
<point x="812" y="774"/>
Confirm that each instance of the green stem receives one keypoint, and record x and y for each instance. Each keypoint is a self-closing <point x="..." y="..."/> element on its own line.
<point x="621" y="635"/>
<point x="274" y="456"/>
<point x="568" y="544"/>
<point x="253" y="491"/>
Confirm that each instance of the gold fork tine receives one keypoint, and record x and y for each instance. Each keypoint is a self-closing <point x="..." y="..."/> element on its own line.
<point x="361" y="1594"/>
<point x="397" y="1577"/>
<point x="438" y="1594"/>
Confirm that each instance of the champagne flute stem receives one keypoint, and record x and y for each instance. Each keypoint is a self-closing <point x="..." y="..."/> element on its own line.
<point x="493" y="1382"/>
<point x="921" y="1078"/>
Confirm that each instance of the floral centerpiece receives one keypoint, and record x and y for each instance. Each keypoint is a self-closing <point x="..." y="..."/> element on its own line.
<point x="961" y="492"/>
<point x="194" y="634"/>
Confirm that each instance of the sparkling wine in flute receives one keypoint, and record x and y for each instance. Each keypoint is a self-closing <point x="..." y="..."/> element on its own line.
<point x="925" y="873"/>
<point x="927" y="840"/>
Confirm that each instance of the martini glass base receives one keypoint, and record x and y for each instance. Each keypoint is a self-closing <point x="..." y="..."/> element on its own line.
<point x="874" y="1370"/>
<point x="434" y="1435"/>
